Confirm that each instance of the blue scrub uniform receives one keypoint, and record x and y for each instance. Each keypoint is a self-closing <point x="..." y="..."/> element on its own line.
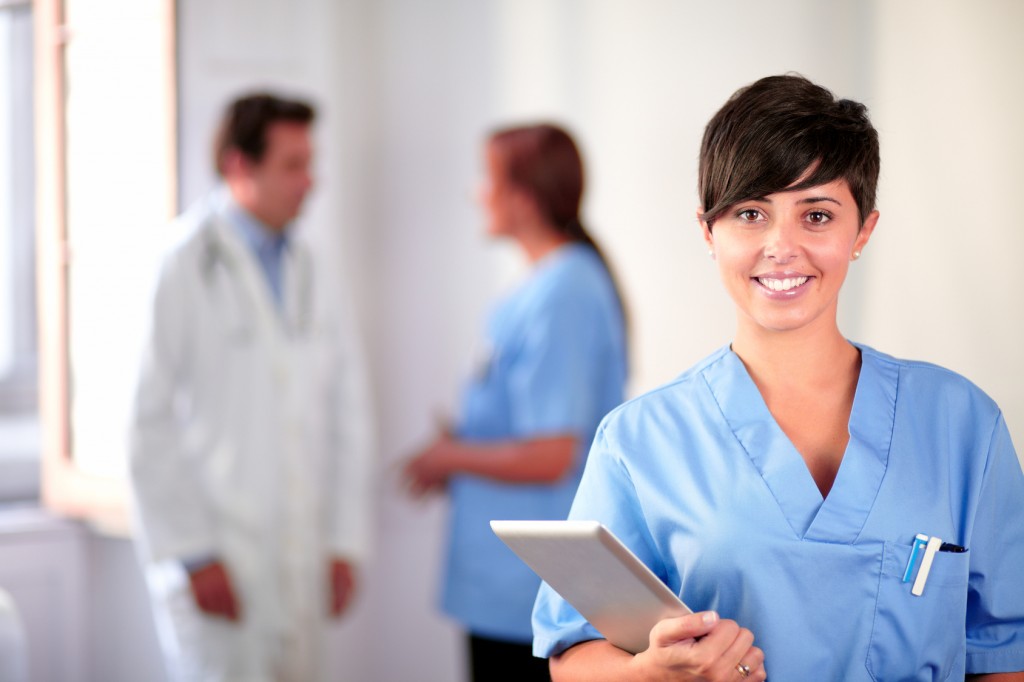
<point x="557" y="365"/>
<point x="701" y="483"/>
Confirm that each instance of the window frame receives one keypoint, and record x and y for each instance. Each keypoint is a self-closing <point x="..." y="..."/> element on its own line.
<point x="65" y="487"/>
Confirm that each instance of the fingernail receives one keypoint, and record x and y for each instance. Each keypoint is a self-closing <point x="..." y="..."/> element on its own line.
<point x="709" y="617"/>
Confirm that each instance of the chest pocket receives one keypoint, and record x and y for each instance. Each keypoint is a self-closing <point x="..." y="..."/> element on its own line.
<point x="919" y="638"/>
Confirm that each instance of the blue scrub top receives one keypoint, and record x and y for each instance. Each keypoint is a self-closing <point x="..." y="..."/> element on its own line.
<point x="557" y="365"/>
<point x="701" y="483"/>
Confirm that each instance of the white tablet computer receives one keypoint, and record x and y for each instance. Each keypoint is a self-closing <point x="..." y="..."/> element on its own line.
<point x="592" y="570"/>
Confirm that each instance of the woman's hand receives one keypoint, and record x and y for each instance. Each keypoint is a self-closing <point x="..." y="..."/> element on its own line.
<point x="701" y="647"/>
<point x="428" y="471"/>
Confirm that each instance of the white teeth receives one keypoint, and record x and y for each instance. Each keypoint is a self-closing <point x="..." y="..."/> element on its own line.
<point x="781" y="284"/>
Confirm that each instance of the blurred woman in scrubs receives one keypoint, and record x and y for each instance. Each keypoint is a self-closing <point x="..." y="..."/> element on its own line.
<point x="557" y="364"/>
<point x="780" y="485"/>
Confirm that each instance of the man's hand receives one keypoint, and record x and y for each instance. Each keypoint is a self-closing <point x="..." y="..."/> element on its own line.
<point x="341" y="577"/>
<point x="213" y="592"/>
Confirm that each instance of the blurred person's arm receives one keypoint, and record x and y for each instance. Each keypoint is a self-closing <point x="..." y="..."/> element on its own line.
<point x="174" y="516"/>
<point x="537" y="460"/>
<point x="351" y="447"/>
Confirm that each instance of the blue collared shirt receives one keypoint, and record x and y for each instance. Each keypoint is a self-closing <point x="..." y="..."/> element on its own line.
<point x="267" y="245"/>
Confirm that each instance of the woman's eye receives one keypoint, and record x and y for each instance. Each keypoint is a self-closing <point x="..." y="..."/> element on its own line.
<point x="818" y="217"/>
<point x="749" y="215"/>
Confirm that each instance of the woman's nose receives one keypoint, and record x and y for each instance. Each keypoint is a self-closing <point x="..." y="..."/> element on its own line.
<point x="781" y="242"/>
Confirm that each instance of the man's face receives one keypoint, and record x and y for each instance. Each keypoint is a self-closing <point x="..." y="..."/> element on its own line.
<point x="274" y="188"/>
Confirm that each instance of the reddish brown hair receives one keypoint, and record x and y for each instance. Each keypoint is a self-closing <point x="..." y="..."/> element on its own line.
<point x="544" y="161"/>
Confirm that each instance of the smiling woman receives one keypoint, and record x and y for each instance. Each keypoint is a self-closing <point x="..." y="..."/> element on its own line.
<point x="815" y="455"/>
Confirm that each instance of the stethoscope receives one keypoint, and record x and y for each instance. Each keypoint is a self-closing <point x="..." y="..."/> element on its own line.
<point x="218" y="261"/>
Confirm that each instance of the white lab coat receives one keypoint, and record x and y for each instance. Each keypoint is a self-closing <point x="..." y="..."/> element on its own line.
<point x="250" y="442"/>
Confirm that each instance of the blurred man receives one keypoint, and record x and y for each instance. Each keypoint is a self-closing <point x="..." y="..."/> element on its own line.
<point x="250" y="452"/>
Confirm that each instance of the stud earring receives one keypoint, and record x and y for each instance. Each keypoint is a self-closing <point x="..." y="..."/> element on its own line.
<point x="711" y="252"/>
<point x="856" y="255"/>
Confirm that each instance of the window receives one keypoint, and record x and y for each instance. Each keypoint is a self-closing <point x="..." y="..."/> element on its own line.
<point x="19" y="423"/>
<point x="106" y="188"/>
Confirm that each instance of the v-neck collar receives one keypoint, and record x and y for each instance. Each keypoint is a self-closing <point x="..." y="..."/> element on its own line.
<point x="840" y="516"/>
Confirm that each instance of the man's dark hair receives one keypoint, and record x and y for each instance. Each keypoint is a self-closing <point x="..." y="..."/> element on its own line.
<point x="770" y="133"/>
<point x="246" y="121"/>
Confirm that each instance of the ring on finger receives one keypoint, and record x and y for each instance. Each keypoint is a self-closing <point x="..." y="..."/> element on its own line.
<point x="743" y="669"/>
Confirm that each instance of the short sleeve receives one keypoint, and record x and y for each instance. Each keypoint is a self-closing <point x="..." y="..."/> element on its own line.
<point x="995" y="607"/>
<point x="606" y="494"/>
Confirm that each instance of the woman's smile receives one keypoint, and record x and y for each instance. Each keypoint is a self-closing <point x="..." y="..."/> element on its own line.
<point x="781" y="284"/>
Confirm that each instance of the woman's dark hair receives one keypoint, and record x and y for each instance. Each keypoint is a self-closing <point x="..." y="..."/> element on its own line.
<point x="246" y="121"/>
<point x="771" y="132"/>
<point x="544" y="161"/>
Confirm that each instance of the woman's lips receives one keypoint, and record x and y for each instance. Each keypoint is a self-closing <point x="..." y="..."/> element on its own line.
<point x="782" y="285"/>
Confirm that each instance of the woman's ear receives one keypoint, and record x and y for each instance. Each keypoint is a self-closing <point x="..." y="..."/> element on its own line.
<point x="866" y="230"/>
<point x="705" y="229"/>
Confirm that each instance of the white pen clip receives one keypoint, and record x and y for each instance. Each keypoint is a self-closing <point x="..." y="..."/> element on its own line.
<point x="926" y="565"/>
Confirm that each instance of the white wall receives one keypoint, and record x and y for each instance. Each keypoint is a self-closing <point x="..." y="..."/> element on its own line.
<point x="408" y="90"/>
<point x="941" y="273"/>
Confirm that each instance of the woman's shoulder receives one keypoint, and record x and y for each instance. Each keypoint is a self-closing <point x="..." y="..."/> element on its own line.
<point x="921" y="378"/>
<point x="686" y="394"/>
<point x="573" y="266"/>
<point x="573" y="276"/>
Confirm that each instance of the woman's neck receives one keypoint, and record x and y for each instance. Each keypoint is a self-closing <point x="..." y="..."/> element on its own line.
<point x="809" y="358"/>
<point x="539" y="240"/>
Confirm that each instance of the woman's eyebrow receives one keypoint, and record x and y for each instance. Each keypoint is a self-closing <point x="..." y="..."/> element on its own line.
<point x="807" y="200"/>
<point x="814" y="200"/>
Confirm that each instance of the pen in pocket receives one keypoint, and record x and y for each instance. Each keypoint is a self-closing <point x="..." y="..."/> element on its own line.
<point x="919" y="543"/>
<point x="926" y="565"/>
<point x="930" y="546"/>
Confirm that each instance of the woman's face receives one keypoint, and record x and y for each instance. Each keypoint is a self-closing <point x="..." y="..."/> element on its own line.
<point x="501" y="200"/>
<point x="784" y="257"/>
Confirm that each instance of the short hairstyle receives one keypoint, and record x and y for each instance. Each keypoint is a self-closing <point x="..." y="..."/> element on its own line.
<point x="771" y="132"/>
<point x="246" y="120"/>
